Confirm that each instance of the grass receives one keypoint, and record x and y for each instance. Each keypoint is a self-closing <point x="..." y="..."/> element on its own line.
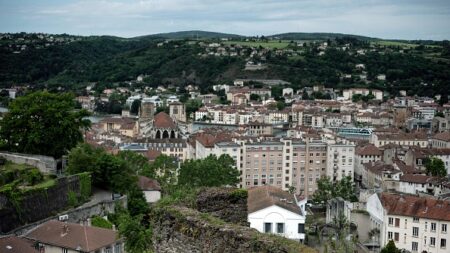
<point x="270" y="44"/>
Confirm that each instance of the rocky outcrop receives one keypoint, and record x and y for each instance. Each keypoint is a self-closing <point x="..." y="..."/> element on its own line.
<point x="228" y="204"/>
<point x="181" y="229"/>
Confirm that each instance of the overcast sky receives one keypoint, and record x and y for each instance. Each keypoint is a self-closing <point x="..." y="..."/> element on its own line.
<point x="393" y="19"/>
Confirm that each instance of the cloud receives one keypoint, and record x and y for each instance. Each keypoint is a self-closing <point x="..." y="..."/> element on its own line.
<point x="408" y="19"/>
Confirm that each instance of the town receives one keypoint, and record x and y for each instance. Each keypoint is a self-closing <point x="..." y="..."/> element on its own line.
<point x="198" y="141"/>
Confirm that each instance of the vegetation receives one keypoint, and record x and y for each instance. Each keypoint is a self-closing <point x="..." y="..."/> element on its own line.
<point x="209" y="172"/>
<point x="420" y="67"/>
<point x="327" y="190"/>
<point x="390" y="248"/>
<point x="43" y="123"/>
<point x="435" y="167"/>
<point x="100" y="222"/>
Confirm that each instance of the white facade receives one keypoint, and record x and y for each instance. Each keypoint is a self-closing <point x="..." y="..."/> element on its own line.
<point x="152" y="196"/>
<point x="275" y="215"/>
<point x="340" y="162"/>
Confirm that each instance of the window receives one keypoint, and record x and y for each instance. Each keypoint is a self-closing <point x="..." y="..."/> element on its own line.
<point x="433" y="227"/>
<point x="396" y="237"/>
<point x="397" y="222"/>
<point x="443" y="243"/>
<point x="108" y="250"/>
<point x="415" y="219"/>
<point x="280" y="228"/>
<point x="267" y="227"/>
<point x="415" y="231"/>
<point x="118" y="248"/>
<point x="432" y="241"/>
<point x="390" y="235"/>
<point x="301" y="228"/>
<point x="415" y="246"/>
<point x="391" y="221"/>
<point x="64" y="250"/>
<point x="444" y="228"/>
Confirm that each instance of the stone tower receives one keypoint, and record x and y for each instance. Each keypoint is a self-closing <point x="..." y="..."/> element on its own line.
<point x="146" y="111"/>
<point x="177" y="111"/>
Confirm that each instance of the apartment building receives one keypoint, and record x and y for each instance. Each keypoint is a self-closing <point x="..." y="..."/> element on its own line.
<point x="340" y="162"/>
<point x="284" y="163"/>
<point x="416" y="224"/>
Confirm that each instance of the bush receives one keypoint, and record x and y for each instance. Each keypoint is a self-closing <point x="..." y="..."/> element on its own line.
<point x="98" y="221"/>
<point x="32" y="176"/>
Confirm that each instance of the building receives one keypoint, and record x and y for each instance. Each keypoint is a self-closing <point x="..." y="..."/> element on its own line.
<point x="14" y="244"/>
<point x="147" y="110"/>
<point x="150" y="188"/>
<point x="348" y="94"/>
<point x="122" y="125"/>
<point x="340" y="161"/>
<point x="177" y="111"/>
<point x="164" y="127"/>
<point x="272" y="210"/>
<point x="365" y="154"/>
<point x="403" y="139"/>
<point x="416" y="224"/>
<point x="55" y="237"/>
<point x="441" y="140"/>
<point x="284" y="163"/>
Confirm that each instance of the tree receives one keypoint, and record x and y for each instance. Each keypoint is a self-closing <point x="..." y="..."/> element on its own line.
<point x="137" y="236"/>
<point x="211" y="171"/>
<point x="435" y="167"/>
<point x="43" y="123"/>
<point x="327" y="190"/>
<point x="164" y="170"/>
<point x="135" y="106"/>
<point x="255" y="97"/>
<point x="390" y="248"/>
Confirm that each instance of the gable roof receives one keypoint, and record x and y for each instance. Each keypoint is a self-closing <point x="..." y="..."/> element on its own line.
<point x="14" y="244"/>
<point x="413" y="206"/>
<point x="368" y="149"/>
<point x="73" y="236"/>
<point x="163" y="120"/>
<point x="265" y="196"/>
<point x="444" y="136"/>
<point x="148" y="184"/>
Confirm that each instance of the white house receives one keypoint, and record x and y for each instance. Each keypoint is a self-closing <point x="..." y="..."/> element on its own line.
<point x="272" y="210"/>
<point x="150" y="188"/>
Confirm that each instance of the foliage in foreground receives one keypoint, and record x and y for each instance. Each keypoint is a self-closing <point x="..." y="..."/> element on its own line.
<point x="43" y="123"/>
<point x="327" y="190"/>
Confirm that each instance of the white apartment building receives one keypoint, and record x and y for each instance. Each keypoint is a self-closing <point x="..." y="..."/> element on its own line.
<point x="416" y="224"/>
<point x="340" y="161"/>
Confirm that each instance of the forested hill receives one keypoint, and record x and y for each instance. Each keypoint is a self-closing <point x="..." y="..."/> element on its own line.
<point x="71" y="62"/>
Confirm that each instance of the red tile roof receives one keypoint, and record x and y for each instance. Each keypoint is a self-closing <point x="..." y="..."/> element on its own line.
<point x="163" y="120"/>
<point x="444" y="136"/>
<point x="261" y="197"/>
<point x="148" y="184"/>
<point x="413" y="206"/>
<point x="368" y="149"/>
<point x="73" y="236"/>
<point x="14" y="244"/>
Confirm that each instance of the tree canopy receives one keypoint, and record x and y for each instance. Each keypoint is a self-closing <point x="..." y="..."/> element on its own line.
<point x="211" y="171"/>
<point x="390" y="248"/>
<point x="435" y="167"/>
<point x="43" y="123"/>
<point x="327" y="190"/>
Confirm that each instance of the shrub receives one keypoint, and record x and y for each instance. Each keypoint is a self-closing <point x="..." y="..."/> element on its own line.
<point x="32" y="176"/>
<point x="98" y="221"/>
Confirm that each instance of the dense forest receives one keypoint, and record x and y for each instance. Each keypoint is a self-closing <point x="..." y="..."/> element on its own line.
<point x="422" y="68"/>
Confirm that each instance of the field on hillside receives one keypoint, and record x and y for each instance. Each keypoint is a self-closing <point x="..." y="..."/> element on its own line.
<point x="270" y="44"/>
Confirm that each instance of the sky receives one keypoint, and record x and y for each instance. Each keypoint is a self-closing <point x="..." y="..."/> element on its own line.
<point x="388" y="19"/>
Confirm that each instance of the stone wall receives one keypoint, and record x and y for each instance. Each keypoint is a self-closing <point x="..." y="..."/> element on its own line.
<point x="45" y="164"/>
<point x="79" y="214"/>
<point x="181" y="229"/>
<point x="37" y="205"/>
<point x="228" y="204"/>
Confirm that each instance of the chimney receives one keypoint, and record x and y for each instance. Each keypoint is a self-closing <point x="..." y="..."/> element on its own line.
<point x="89" y="222"/>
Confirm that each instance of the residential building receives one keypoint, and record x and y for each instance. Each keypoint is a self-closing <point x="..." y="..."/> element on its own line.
<point x="56" y="237"/>
<point x="15" y="244"/>
<point x="416" y="224"/>
<point x="441" y="140"/>
<point x="340" y="161"/>
<point x="272" y="210"/>
<point x="150" y="188"/>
